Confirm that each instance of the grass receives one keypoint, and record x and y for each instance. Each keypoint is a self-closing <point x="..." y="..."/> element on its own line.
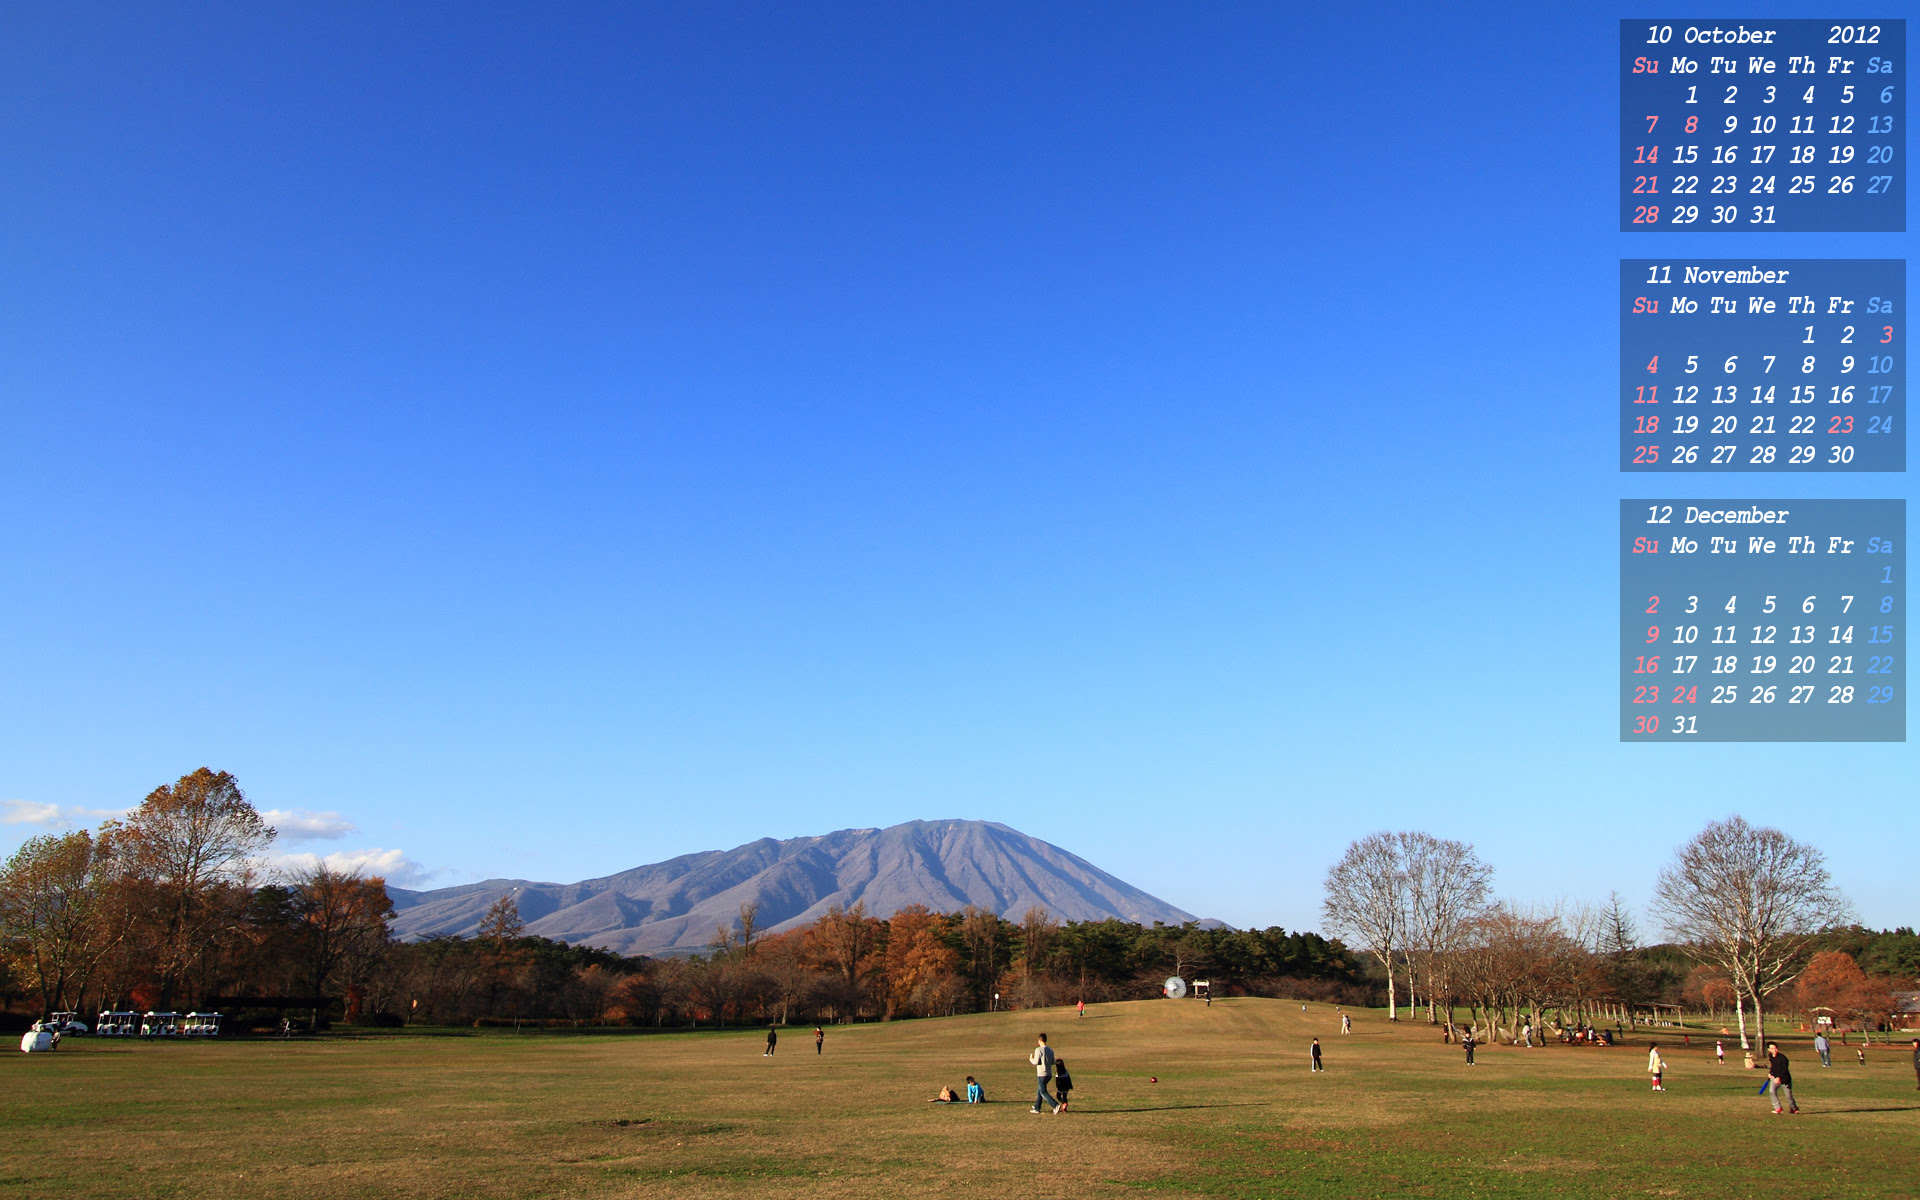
<point x="1235" y="1113"/>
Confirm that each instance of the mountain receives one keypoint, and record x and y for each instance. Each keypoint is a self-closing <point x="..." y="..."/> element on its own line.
<point x="675" y="906"/>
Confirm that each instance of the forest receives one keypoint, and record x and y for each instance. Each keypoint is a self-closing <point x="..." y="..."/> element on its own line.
<point x="172" y="908"/>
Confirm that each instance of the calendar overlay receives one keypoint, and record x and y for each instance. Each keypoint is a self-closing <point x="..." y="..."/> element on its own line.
<point x="1762" y="620"/>
<point x="1772" y="126"/>
<point x="1763" y="365"/>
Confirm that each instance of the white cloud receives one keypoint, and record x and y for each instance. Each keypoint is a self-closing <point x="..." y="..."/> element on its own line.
<point x="53" y="816"/>
<point x="296" y="825"/>
<point x="392" y="865"/>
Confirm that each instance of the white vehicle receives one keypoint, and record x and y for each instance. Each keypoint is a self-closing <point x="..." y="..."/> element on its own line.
<point x="199" y="1024"/>
<point x="65" y="1023"/>
<point x="38" y="1041"/>
<point x="117" y="1024"/>
<point x="160" y="1025"/>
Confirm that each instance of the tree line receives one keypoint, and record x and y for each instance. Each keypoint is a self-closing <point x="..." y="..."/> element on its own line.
<point x="171" y="908"/>
<point x="1754" y="917"/>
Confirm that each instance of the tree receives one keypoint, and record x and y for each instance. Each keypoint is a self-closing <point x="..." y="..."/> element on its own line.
<point x="1748" y="899"/>
<point x="920" y="964"/>
<point x="342" y="918"/>
<point x="194" y="843"/>
<point x="1366" y="893"/>
<point x="1445" y="889"/>
<point x="1709" y="988"/>
<point x="844" y="941"/>
<point x="502" y="924"/>
<point x="52" y="906"/>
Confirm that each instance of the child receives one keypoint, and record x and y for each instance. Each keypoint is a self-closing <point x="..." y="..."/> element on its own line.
<point x="974" y="1093"/>
<point x="1062" y="1084"/>
<point x="1720" y="1052"/>
<point x="1656" y="1066"/>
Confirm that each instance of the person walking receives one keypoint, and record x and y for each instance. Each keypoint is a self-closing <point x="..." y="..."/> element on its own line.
<point x="1823" y="1048"/>
<point x="1316" y="1056"/>
<point x="1526" y="1035"/>
<point x="1062" y="1084"/>
<point x="1656" y="1066"/>
<point x="1720" y="1052"/>
<point x="1083" y="1009"/>
<point x="819" y="1038"/>
<point x="1467" y="1042"/>
<point x="1916" y="1063"/>
<point x="1779" y="1079"/>
<point x="1042" y="1060"/>
<point x="773" y="1039"/>
<point x="1346" y="1022"/>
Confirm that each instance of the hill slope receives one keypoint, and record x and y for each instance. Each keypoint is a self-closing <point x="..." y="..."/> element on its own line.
<point x="676" y="905"/>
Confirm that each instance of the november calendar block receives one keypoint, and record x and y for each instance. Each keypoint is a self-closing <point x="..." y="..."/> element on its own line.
<point x="1763" y="365"/>
<point x="1763" y="620"/>
<point x="1762" y="125"/>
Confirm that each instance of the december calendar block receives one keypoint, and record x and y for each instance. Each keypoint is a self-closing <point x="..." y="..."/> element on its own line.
<point x="1731" y="365"/>
<point x="1763" y="620"/>
<point x="1763" y="126"/>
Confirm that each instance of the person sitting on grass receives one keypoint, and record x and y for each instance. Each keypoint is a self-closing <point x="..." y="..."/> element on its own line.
<point x="946" y="1096"/>
<point x="975" y="1093"/>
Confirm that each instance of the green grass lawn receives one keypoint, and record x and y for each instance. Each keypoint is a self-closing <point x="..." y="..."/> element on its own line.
<point x="1235" y="1113"/>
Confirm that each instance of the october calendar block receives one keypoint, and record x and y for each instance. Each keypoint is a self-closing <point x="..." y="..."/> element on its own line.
<point x="1763" y="365"/>
<point x="1763" y="620"/>
<point x="1763" y="126"/>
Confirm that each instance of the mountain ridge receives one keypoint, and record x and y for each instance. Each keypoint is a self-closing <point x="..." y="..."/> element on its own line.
<point x="675" y="906"/>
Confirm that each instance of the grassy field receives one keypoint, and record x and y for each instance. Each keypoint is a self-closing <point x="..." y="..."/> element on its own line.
<point x="1235" y="1113"/>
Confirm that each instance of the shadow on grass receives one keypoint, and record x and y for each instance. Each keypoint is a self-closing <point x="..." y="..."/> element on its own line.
<point x="1101" y="1112"/>
<point x="1841" y="1112"/>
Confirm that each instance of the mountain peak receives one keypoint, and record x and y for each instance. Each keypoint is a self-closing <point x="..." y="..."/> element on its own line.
<point x="674" y="906"/>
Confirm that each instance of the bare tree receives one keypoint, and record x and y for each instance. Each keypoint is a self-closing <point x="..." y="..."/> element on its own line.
<point x="749" y="925"/>
<point x="1748" y="899"/>
<point x="1365" y="901"/>
<point x="1446" y="891"/>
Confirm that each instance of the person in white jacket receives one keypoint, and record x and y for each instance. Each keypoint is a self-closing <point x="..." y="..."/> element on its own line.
<point x="1656" y="1066"/>
<point x="1042" y="1060"/>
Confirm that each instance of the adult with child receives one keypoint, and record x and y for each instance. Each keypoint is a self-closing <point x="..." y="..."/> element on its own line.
<point x="1042" y="1060"/>
<point x="1656" y="1066"/>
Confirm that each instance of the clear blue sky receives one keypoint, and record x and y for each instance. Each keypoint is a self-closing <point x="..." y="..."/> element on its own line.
<point x="559" y="437"/>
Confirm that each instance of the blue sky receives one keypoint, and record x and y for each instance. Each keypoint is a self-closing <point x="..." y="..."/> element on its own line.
<point x="565" y="437"/>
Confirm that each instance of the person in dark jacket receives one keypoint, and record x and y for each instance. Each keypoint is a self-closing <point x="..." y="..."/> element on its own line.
<point x="773" y="1039"/>
<point x="1316" y="1055"/>
<point x="1062" y="1084"/>
<point x="1467" y="1042"/>
<point x="1779" y="1079"/>
<point x="819" y="1038"/>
